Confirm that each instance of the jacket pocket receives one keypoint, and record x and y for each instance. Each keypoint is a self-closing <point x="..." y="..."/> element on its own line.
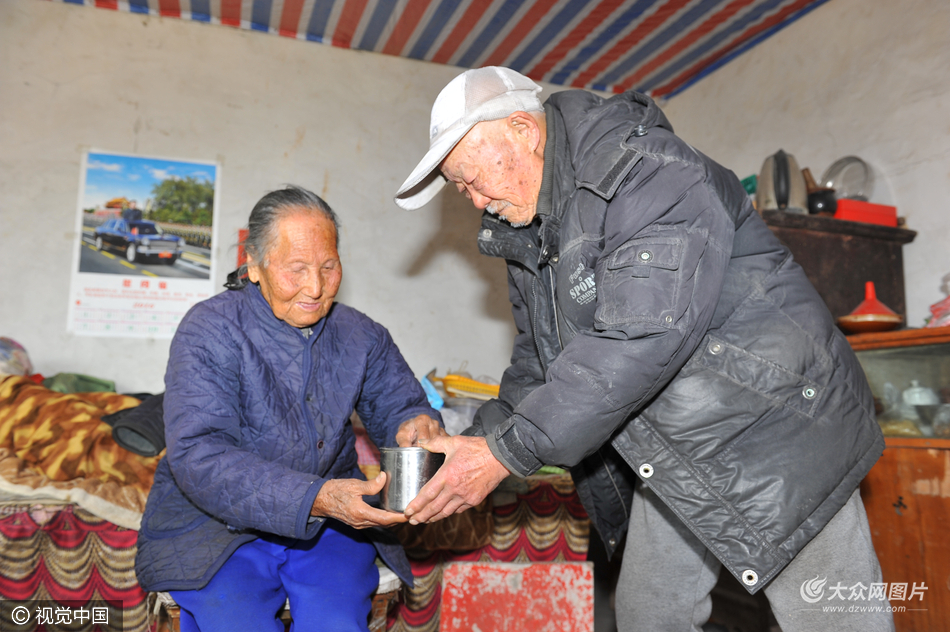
<point x="780" y="385"/>
<point x="639" y="282"/>
<point x="171" y="515"/>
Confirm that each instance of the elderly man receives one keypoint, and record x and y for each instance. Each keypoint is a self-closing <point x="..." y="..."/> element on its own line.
<point x="669" y="352"/>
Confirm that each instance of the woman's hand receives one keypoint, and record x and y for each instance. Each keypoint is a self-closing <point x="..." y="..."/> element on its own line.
<point x="418" y="430"/>
<point x="342" y="499"/>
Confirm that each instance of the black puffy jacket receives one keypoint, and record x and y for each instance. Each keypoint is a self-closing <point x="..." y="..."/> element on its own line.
<point x="664" y="333"/>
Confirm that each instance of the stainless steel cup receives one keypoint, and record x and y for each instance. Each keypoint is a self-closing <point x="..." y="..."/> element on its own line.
<point x="407" y="471"/>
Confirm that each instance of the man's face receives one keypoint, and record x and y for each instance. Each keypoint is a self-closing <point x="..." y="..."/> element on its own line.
<point x="302" y="273"/>
<point x="497" y="169"/>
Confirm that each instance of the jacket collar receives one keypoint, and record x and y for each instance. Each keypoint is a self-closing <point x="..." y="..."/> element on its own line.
<point x="557" y="184"/>
<point x="534" y="246"/>
<point x="497" y="238"/>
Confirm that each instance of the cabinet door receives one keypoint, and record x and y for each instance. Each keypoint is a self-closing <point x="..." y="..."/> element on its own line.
<point x="907" y="497"/>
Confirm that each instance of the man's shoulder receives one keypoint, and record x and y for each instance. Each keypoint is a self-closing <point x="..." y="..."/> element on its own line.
<point x="603" y="136"/>
<point x="573" y="102"/>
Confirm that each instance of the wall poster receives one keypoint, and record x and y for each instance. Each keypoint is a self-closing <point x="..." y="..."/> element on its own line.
<point x="146" y="231"/>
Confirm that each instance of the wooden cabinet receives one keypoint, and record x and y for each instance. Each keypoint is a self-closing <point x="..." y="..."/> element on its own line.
<point x="907" y="493"/>
<point x="839" y="257"/>
<point x="907" y="497"/>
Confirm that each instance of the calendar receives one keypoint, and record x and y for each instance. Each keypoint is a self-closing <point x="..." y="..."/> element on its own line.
<point x="144" y="252"/>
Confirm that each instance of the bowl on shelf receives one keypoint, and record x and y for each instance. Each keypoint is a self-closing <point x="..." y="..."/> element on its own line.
<point x="871" y="315"/>
<point x="867" y="323"/>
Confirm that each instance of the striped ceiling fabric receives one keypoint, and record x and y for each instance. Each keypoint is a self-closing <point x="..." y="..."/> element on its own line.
<point x="655" y="46"/>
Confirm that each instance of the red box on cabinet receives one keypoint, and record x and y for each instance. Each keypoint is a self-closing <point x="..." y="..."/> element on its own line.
<point x="858" y="211"/>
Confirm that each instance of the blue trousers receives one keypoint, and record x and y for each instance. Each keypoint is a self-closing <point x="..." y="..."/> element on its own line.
<point x="329" y="580"/>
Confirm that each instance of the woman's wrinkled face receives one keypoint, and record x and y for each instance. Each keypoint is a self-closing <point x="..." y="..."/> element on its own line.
<point x="301" y="273"/>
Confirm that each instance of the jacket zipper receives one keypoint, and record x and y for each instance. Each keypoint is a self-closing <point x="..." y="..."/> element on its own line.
<point x="534" y="325"/>
<point x="557" y="322"/>
<point x="613" y="482"/>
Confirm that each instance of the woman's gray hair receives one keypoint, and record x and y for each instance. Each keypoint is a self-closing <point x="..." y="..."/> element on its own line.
<point x="262" y="224"/>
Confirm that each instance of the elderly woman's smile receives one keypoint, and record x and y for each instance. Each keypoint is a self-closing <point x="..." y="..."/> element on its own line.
<point x="301" y="271"/>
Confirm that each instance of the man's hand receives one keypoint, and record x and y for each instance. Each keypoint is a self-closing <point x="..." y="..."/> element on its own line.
<point x="469" y="474"/>
<point x="342" y="498"/>
<point x="418" y="430"/>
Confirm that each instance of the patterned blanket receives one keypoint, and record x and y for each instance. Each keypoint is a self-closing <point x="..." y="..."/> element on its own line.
<point x="53" y="445"/>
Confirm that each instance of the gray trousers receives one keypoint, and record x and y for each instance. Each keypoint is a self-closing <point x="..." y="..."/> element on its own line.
<point x="668" y="574"/>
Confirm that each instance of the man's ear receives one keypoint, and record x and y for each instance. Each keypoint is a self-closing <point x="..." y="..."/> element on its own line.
<point x="524" y="125"/>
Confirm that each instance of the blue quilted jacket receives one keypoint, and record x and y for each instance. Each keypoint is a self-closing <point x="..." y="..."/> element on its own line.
<point x="256" y="420"/>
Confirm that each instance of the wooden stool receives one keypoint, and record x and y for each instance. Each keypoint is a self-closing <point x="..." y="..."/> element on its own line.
<point x="166" y="613"/>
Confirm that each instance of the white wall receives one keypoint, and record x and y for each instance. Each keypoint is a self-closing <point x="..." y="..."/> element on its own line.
<point x="346" y="124"/>
<point x="865" y="77"/>
<point x="854" y="77"/>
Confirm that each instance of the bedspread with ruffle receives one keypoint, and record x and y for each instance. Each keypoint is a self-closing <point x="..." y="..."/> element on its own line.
<point x="54" y="445"/>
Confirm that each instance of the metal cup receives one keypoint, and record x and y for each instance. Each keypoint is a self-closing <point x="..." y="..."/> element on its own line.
<point x="407" y="471"/>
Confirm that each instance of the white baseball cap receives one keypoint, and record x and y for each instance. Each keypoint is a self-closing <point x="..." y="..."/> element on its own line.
<point x="482" y="94"/>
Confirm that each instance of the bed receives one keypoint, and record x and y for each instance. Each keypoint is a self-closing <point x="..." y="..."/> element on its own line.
<point x="70" y="503"/>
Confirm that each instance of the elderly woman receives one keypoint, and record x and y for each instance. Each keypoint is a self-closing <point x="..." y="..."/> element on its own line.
<point x="259" y="497"/>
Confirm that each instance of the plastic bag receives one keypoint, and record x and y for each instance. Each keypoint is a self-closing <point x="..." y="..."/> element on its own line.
<point x="14" y="358"/>
<point x="940" y="314"/>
